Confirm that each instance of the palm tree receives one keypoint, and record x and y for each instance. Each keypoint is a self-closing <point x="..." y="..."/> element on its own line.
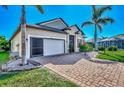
<point x="98" y="20"/>
<point x="23" y="29"/>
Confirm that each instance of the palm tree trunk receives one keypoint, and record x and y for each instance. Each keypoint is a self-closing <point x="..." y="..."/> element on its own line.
<point x="95" y="38"/>
<point x="23" y="40"/>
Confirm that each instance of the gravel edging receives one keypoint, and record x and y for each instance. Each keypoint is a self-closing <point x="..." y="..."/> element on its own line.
<point x="14" y="66"/>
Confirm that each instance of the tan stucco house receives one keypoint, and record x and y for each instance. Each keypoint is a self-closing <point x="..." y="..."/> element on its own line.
<point x="52" y="37"/>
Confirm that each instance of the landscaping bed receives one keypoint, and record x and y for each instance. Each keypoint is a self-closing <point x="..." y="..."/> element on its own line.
<point x="41" y="77"/>
<point x="112" y="55"/>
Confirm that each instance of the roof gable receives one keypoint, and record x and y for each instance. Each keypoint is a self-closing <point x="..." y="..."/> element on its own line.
<point x="57" y="23"/>
<point x="76" y="29"/>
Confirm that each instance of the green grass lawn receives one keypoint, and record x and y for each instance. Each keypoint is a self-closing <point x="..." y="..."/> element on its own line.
<point x="4" y="57"/>
<point x="41" y="77"/>
<point x="112" y="55"/>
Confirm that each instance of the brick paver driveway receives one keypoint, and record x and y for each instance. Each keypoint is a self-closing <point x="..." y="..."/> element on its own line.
<point x="87" y="73"/>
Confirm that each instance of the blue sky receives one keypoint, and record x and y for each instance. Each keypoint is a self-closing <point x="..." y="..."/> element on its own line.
<point x="72" y="14"/>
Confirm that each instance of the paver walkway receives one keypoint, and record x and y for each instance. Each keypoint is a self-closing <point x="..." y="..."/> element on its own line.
<point x="87" y="73"/>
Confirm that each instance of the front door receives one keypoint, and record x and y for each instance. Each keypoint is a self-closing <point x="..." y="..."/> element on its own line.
<point x="71" y="43"/>
<point x="36" y="47"/>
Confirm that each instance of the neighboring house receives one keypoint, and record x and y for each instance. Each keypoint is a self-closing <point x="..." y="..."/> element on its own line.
<point x="117" y="41"/>
<point x="92" y="40"/>
<point x="48" y="38"/>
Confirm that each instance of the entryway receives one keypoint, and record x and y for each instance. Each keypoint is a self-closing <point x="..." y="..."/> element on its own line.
<point x="71" y="43"/>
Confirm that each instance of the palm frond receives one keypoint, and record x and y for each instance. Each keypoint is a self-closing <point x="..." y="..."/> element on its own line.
<point x="105" y="20"/>
<point x="5" y="6"/>
<point x="87" y="23"/>
<point x="103" y="9"/>
<point x="101" y="21"/>
<point x="39" y="7"/>
<point x="94" y="9"/>
<point x="100" y="27"/>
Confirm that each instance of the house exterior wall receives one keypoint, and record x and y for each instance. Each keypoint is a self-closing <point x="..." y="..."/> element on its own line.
<point x="16" y="44"/>
<point x="32" y="32"/>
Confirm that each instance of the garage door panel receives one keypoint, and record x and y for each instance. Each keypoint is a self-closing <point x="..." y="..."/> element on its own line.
<point x="36" y="46"/>
<point x="53" y="47"/>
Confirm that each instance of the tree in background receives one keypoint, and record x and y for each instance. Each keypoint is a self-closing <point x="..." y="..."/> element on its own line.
<point x="98" y="20"/>
<point x="4" y="44"/>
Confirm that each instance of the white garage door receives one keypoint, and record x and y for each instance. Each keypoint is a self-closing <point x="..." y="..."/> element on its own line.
<point x="53" y="47"/>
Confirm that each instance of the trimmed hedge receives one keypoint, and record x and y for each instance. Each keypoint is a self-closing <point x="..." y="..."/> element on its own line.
<point x="112" y="48"/>
<point x="101" y="48"/>
<point x="86" y="48"/>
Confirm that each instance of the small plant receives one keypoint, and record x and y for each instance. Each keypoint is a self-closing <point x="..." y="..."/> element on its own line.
<point x="71" y="48"/>
<point x="86" y="48"/>
<point x="112" y="48"/>
<point x="83" y="48"/>
<point x="101" y="48"/>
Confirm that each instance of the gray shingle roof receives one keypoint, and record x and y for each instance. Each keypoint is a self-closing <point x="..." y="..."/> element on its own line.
<point x="43" y="27"/>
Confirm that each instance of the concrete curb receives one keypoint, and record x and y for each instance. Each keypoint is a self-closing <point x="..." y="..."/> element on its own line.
<point x="102" y="61"/>
<point x="94" y="59"/>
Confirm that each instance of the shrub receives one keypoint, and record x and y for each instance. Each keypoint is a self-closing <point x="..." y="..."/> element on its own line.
<point x="86" y="48"/>
<point x="71" y="48"/>
<point x="82" y="48"/>
<point x="112" y="48"/>
<point x="115" y="48"/>
<point x="101" y="48"/>
<point x="4" y="44"/>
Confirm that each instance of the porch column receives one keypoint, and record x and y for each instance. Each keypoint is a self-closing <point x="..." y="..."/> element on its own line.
<point x="67" y="44"/>
<point x="75" y="43"/>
